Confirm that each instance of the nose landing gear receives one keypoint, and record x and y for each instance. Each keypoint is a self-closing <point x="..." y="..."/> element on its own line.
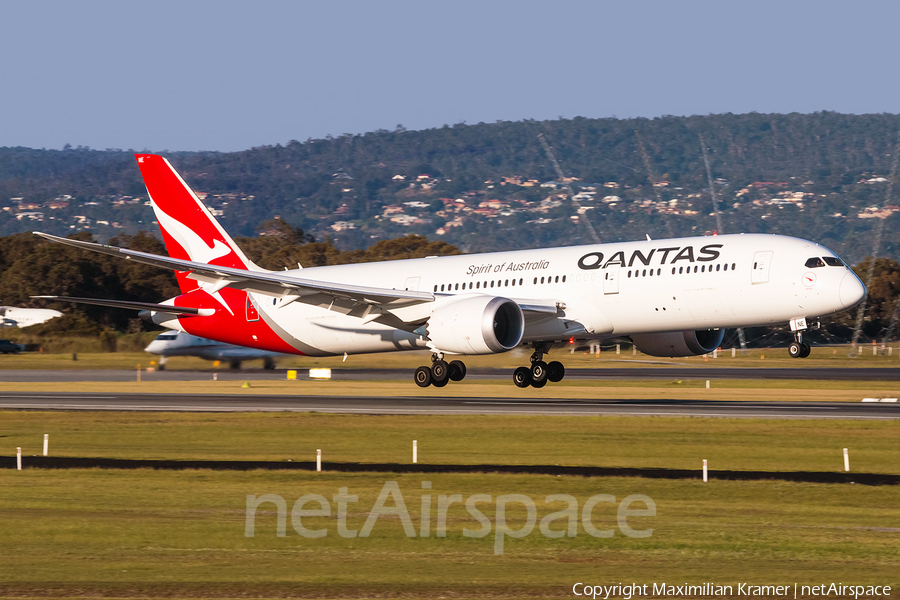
<point x="540" y="372"/>
<point x="798" y="348"/>
<point x="440" y="373"/>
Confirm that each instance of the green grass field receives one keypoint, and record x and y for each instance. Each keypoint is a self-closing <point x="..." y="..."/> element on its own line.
<point x="89" y="533"/>
<point x="86" y="533"/>
<point x="678" y="443"/>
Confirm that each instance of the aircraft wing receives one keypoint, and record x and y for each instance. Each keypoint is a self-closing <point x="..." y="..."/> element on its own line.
<point x="169" y="308"/>
<point x="352" y="298"/>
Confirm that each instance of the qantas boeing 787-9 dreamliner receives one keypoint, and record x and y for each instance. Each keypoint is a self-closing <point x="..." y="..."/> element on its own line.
<point x="671" y="297"/>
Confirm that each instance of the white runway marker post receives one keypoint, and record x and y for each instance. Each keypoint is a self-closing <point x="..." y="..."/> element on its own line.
<point x="46" y="443"/>
<point x="846" y="460"/>
<point x="18" y="459"/>
<point x="705" y="474"/>
<point x="318" y="460"/>
<point x="415" y="452"/>
<point x="707" y="384"/>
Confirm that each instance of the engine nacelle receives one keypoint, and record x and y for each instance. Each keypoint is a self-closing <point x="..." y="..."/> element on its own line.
<point x="477" y="325"/>
<point x="679" y="343"/>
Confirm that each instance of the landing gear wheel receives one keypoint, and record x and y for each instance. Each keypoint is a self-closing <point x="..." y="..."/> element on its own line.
<point x="539" y="373"/>
<point x="522" y="377"/>
<point x="423" y="377"/>
<point x="440" y="371"/>
<point x="457" y="370"/>
<point x="268" y="364"/>
<point x="795" y="350"/>
<point x="555" y="371"/>
<point x="437" y="383"/>
<point x="805" y="350"/>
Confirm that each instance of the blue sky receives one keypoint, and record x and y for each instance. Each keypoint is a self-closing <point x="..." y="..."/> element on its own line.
<point x="200" y="75"/>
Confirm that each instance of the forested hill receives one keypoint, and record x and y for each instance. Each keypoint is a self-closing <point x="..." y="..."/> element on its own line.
<point x="478" y="186"/>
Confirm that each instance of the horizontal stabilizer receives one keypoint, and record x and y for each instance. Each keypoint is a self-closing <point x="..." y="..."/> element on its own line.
<point x="168" y="308"/>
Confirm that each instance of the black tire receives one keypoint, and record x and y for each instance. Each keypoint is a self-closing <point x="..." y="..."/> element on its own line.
<point x="437" y="383"/>
<point x="555" y="371"/>
<point x="538" y="373"/>
<point x="806" y="350"/>
<point x="423" y="376"/>
<point x="522" y="377"/>
<point x="269" y="364"/>
<point x="457" y="370"/>
<point x="795" y="350"/>
<point x="440" y="371"/>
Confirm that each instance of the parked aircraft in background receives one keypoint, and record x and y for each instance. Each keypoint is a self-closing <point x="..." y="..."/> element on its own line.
<point x="179" y="343"/>
<point x="11" y="316"/>
<point x="671" y="297"/>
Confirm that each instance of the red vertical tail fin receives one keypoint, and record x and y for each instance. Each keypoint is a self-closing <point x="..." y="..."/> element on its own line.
<point x="189" y="230"/>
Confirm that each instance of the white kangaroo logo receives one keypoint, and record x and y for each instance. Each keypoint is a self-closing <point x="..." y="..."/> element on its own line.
<point x="198" y="250"/>
<point x="193" y="244"/>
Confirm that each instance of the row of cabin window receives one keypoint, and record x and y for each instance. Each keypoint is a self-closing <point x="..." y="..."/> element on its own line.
<point x="452" y="287"/>
<point x="700" y="268"/>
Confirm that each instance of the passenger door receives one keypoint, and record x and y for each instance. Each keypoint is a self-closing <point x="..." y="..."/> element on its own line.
<point x="611" y="279"/>
<point x="761" y="263"/>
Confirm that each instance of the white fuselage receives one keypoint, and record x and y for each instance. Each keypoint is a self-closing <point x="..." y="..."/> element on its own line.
<point x="602" y="290"/>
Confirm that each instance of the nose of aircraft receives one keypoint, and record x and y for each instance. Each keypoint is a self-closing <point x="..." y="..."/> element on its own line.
<point x="852" y="290"/>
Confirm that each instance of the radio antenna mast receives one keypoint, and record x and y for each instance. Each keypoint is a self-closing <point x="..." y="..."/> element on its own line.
<point x="715" y="201"/>
<point x="561" y="176"/>
<point x="879" y="230"/>
<point x="652" y="176"/>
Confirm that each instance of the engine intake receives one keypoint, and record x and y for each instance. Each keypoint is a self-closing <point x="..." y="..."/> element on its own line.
<point x="477" y="325"/>
<point x="679" y="343"/>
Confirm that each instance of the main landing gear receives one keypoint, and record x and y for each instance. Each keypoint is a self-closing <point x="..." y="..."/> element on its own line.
<point x="440" y="373"/>
<point x="540" y="372"/>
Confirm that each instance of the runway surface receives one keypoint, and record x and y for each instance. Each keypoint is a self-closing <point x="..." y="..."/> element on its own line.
<point x="634" y="372"/>
<point x="439" y="405"/>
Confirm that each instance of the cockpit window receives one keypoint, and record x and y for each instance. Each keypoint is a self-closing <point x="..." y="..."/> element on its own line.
<point x="831" y="261"/>
<point x="814" y="263"/>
